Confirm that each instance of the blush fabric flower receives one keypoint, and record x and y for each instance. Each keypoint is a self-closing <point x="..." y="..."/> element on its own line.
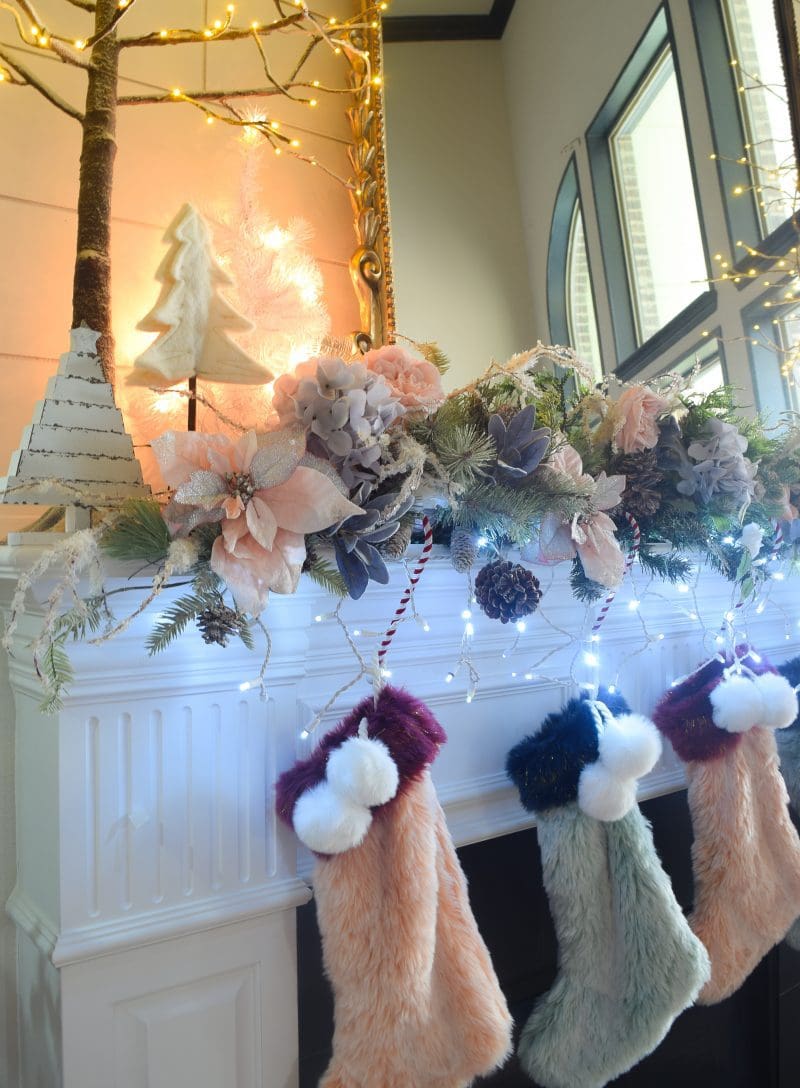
<point x="635" y="419"/>
<point x="591" y="536"/>
<point x="265" y="499"/>
<point x="416" y="383"/>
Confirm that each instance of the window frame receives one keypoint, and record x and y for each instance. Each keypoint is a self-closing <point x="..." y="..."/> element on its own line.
<point x="771" y="377"/>
<point x="632" y="356"/>
<point x="727" y="127"/>
<point x="568" y="198"/>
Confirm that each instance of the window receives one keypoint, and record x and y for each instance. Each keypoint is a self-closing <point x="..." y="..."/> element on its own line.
<point x="570" y="302"/>
<point x="581" y="318"/>
<point x="651" y="234"/>
<point x="761" y="88"/>
<point x="775" y="356"/>
<point x="705" y="365"/>
<point x="666" y="266"/>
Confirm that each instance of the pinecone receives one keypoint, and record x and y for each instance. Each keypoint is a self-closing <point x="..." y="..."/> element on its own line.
<point x="397" y="546"/>
<point x="643" y="480"/>
<point x="217" y="623"/>
<point x="507" y="591"/>
<point x="463" y="550"/>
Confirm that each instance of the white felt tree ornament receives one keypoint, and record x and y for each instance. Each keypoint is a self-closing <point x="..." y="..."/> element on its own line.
<point x="192" y="318"/>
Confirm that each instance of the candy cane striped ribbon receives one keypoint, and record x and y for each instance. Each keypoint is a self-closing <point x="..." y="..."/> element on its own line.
<point x="427" y="530"/>
<point x="777" y="540"/>
<point x="632" y="553"/>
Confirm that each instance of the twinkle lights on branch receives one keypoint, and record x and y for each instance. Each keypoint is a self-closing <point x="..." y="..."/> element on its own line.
<point x="98" y="55"/>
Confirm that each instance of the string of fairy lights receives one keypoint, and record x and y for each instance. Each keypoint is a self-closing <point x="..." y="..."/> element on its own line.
<point x="340" y="36"/>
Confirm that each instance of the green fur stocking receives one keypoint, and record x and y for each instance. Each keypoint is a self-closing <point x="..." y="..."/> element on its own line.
<point x="629" y="964"/>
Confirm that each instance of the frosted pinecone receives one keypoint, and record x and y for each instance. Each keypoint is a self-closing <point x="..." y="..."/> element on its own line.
<point x="397" y="546"/>
<point x="507" y="591"/>
<point x="643" y="482"/>
<point x="463" y="550"/>
<point x="217" y="623"/>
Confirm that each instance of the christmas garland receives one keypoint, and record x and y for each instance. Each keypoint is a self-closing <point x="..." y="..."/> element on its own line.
<point x="533" y="455"/>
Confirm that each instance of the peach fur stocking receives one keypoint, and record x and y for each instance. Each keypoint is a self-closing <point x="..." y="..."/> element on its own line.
<point x="746" y="851"/>
<point x="417" y="1002"/>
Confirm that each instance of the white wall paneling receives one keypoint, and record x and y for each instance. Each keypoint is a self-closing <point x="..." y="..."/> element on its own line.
<point x="156" y="891"/>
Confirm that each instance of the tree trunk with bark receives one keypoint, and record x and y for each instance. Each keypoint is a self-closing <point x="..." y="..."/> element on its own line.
<point x="91" y="296"/>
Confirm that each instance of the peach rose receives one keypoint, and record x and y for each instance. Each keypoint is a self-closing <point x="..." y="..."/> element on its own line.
<point x="635" y="415"/>
<point x="415" y="382"/>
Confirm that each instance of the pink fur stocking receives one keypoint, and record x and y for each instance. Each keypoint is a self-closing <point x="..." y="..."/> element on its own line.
<point x="417" y="1002"/>
<point x="746" y="852"/>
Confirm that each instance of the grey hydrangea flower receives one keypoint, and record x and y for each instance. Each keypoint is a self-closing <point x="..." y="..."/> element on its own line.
<point x="345" y="409"/>
<point x="520" y="446"/>
<point x="721" y="468"/>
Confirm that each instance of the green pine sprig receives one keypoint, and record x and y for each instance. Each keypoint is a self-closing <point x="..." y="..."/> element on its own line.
<point x="139" y="532"/>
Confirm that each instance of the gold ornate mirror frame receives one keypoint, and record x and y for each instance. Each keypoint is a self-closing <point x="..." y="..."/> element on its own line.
<point x="371" y="264"/>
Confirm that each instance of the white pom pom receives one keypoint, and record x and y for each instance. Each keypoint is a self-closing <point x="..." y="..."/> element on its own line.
<point x="363" y="771"/>
<point x="780" y="701"/>
<point x="737" y="704"/>
<point x="329" y="823"/>
<point x="629" y="746"/>
<point x="603" y="796"/>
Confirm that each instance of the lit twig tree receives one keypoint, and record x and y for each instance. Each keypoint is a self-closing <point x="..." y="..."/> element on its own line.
<point x="98" y="56"/>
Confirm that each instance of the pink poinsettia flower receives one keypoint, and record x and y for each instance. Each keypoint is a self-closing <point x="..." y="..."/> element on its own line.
<point x="265" y="499"/>
<point x="591" y="536"/>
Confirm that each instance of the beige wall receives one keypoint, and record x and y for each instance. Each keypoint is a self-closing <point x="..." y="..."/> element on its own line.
<point x="460" y="268"/>
<point x="167" y="155"/>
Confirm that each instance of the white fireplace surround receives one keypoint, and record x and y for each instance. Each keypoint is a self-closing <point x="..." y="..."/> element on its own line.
<point x="155" y="891"/>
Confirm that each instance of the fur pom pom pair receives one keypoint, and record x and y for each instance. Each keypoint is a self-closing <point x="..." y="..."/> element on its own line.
<point x="628" y="748"/>
<point x="741" y="702"/>
<point x="592" y="752"/>
<point x="335" y="815"/>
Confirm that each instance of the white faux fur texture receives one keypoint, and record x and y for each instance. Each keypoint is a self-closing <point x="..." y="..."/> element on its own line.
<point x="329" y="823"/>
<point x="335" y="815"/>
<point x="741" y="702"/>
<point x="629" y="747"/>
<point x="363" y="771"/>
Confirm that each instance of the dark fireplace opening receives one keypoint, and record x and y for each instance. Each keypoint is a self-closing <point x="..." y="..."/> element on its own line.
<point x="749" y="1041"/>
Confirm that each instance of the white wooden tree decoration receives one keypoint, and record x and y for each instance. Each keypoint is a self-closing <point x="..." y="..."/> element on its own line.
<point x="191" y="316"/>
<point x="76" y="453"/>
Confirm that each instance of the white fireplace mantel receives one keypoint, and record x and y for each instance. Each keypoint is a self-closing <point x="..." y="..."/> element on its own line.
<point x="156" y="890"/>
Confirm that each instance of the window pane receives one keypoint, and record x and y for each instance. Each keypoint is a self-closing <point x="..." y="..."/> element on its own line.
<point x="581" y="317"/>
<point x="655" y="195"/>
<point x="754" y="45"/>
<point x="705" y="366"/>
<point x="775" y="356"/>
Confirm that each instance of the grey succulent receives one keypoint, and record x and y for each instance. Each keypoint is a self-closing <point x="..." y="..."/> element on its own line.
<point x="356" y="538"/>
<point x="520" y="445"/>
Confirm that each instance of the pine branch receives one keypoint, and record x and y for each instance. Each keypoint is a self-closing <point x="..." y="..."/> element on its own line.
<point x="28" y="79"/>
<point x="245" y="633"/>
<point x="87" y="617"/>
<point x="174" y="622"/>
<point x="57" y="674"/>
<point x="140" y="532"/>
<point x="325" y="576"/>
<point x="672" y="567"/>
<point x="434" y="354"/>
<point x="584" y="589"/>
<point x="465" y="452"/>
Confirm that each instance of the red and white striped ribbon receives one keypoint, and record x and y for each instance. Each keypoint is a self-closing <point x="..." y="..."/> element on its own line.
<point x="777" y="540"/>
<point x="425" y="555"/>
<point x="632" y="553"/>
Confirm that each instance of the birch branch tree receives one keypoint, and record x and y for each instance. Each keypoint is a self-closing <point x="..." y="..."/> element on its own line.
<point x="98" y="56"/>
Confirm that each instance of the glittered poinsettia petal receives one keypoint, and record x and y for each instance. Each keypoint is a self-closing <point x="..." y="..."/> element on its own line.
<point x="277" y="457"/>
<point x="180" y="453"/>
<point x="203" y="488"/>
<point x="261" y="521"/>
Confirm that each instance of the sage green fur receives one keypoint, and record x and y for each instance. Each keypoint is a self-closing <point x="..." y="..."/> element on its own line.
<point x="628" y="962"/>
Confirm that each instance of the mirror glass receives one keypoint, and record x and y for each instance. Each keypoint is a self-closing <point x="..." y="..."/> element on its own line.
<point x="618" y="177"/>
